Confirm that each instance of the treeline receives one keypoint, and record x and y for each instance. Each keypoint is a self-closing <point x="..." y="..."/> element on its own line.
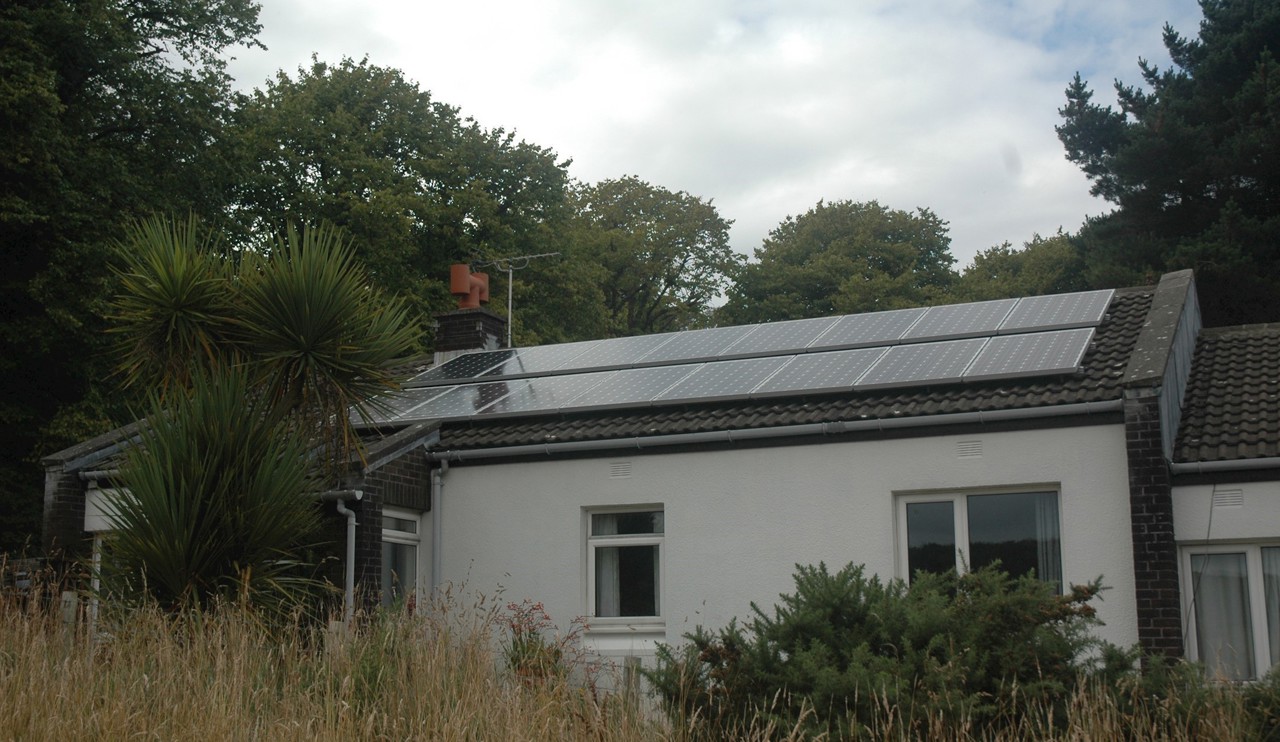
<point x="116" y="111"/>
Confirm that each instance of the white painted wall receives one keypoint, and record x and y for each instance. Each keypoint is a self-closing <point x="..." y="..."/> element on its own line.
<point x="738" y="521"/>
<point x="1257" y="516"/>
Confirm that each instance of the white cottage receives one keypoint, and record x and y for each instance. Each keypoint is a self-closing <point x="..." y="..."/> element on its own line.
<point x="655" y="483"/>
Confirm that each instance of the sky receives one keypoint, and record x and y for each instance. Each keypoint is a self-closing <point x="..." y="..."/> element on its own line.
<point x="766" y="107"/>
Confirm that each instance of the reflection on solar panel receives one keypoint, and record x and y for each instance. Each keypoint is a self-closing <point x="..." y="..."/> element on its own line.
<point x="960" y="320"/>
<point x="540" y="359"/>
<point x="1035" y="354"/>
<point x="465" y="400"/>
<point x="399" y="405"/>
<point x="932" y="363"/>
<point x="546" y="393"/>
<point x="779" y="337"/>
<point x="463" y="367"/>
<point x="697" y="345"/>
<point x="1058" y="312"/>
<point x="866" y="330"/>
<point x="618" y="352"/>
<point x="632" y="386"/>
<point x="820" y="372"/>
<point x="723" y="379"/>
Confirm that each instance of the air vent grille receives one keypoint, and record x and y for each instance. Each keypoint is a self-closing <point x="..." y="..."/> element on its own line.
<point x="619" y="469"/>
<point x="1233" y="498"/>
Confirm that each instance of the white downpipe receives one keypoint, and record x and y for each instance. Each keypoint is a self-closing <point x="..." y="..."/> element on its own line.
<point x="437" y="522"/>
<point x="340" y="497"/>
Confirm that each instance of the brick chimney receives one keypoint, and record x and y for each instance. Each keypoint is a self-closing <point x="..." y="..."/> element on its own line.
<point x="470" y="327"/>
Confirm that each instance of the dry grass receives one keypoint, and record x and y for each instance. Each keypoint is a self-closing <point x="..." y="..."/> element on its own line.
<point x="438" y="674"/>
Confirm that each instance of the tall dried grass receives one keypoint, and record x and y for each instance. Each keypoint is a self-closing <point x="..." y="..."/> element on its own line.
<point x="438" y="673"/>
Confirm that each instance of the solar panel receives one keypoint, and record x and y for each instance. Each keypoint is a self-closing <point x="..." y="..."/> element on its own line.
<point x="697" y="345"/>
<point x="1058" y="312"/>
<point x="618" y="352"/>
<point x="463" y="401"/>
<point x="1034" y="354"/>
<point x="540" y="359"/>
<point x="926" y="363"/>
<point x="779" y="337"/>
<point x="632" y="386"/>
<point x="463" y="367"/>
<point x="866" y="330"/>
<point x="395" y="406"/>
<point x="820" y="372"/>
<point x="960" y="320"/>
<point x="546" y="393"/>
<point x="724" y="379"/>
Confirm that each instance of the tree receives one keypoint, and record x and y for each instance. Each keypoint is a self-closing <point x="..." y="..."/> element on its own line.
<point x="1192" y="163"/>
<point x="662" y="256"/>
<point x="256" y="362"/>
<point x="844" y="257"/>
<point x="109" y="111"/>
<point x="1044" y="265"/>
<point x="416" y="186"/>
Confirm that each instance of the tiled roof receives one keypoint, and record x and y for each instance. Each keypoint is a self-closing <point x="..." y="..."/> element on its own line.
<point x="1101" y="379"/>
<point x="1232" y="405"/>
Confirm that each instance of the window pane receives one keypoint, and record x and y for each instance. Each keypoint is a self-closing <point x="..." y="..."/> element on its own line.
<point x="626" y="524"/>
<point x="931" y="537"/>
<point x="1271" y="585"/>
<point x="1019" y="530"/>
<point x="627" y="580"/>
<point x="1223" y="632"/>
<point x="399" y="571"/>
<point x="392" y="523"/>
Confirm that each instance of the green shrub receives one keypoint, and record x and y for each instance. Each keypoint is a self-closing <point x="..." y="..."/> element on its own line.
<point x="846" y="653"/>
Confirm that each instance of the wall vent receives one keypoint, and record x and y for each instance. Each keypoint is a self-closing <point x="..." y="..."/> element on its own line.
<point x="619" y="469"/>
<point x="968" y="449"/>
<point x="1233" y="498"/>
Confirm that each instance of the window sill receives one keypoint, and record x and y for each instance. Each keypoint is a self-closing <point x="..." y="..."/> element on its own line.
<point x="626" y="626"/>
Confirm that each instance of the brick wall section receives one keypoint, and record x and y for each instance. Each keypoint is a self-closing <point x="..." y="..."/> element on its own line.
<point x="63" y="528"/>
<point x="1155" y="553"/>
<point x="404" y="482"/>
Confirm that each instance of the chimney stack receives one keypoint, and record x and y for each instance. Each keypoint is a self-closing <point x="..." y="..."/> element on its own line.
<point x="470" y="327"/>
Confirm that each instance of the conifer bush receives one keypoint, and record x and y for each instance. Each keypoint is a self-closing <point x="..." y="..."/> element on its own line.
<point x="847" y="652"/>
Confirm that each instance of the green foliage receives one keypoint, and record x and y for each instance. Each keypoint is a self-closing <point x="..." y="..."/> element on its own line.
<point x="844" y="647"/>
<point x="844" y="257"/>
<point x="1049" y="265"/>
<point x="415" y="185"/>
<point x="659" y="257"/>
<point x="1193" y="163"/>
<point x="302" y="320"/>
<point x="217" y="501"/>
<point x="110" y="111"/>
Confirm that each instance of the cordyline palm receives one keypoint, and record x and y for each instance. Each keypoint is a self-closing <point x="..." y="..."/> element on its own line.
<point x="251" y="374"/>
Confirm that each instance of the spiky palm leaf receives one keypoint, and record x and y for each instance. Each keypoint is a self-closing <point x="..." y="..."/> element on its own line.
<point x="218" y="500"/>
<point x="171" y="315"/>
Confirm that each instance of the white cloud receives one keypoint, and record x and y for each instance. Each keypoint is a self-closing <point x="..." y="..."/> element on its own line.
<point x="767" y="106"/>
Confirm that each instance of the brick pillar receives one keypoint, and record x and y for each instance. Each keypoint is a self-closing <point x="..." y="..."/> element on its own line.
<point x="1155" y="553"/>
<point x="62" y="532"/>
<point x="368" y="549"/>
<point x="468" y="330"/>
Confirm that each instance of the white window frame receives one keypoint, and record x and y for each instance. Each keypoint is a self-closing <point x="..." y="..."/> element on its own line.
<point x="959" y="500"/>
<point x="395" y="536"/>
<point x="591" y="543"/>
<point x="1252" y="551"/>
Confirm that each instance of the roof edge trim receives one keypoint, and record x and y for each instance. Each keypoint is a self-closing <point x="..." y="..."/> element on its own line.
<point x="786" y="431"/>
<point x="1209" y="467"/>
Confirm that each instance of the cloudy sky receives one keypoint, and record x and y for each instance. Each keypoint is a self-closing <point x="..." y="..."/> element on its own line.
<point x="767" y="106"/>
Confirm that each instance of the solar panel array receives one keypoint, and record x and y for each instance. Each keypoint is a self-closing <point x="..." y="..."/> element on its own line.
<point x="980" y="341"/>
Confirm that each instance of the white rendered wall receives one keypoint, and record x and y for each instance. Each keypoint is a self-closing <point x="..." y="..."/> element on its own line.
<point x="738" y="521"/>
<point x="1246" y="511"/>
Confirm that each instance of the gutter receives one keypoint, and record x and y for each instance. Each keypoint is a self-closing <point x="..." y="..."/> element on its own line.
<point x="784" y="431"/>
<point x="1209" y="467"/>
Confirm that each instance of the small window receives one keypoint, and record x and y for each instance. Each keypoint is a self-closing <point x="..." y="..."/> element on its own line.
<point x="1235" y="608"/>
<point x="401" y="553"/>
<point x="624" y="564"/>
<point x="1020" y="530"/>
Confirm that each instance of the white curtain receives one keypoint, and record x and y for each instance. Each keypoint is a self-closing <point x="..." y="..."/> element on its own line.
<point x="1048" y="547"/>
<point x="1223" y="633"/>
<point x="1271" y="591"/>
<point x="608" y="578"/>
